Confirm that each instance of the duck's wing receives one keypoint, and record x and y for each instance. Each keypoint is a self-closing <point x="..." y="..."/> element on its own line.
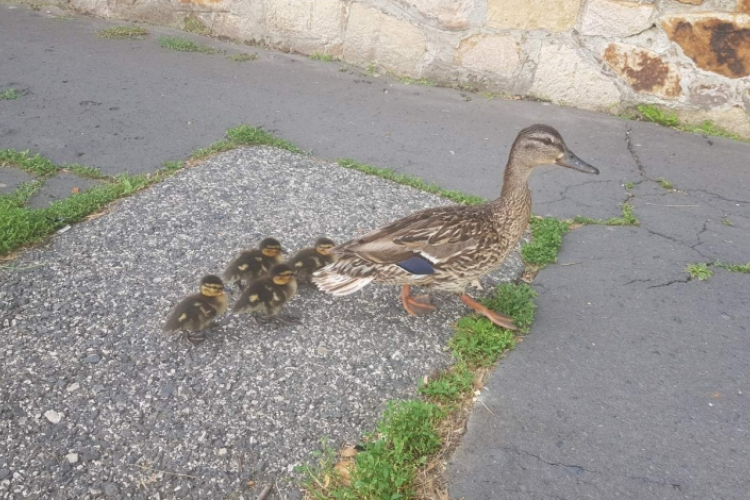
<point x="421" y="240"/>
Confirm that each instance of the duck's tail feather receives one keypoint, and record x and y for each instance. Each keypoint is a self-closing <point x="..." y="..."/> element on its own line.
<point x="330" y="281"/>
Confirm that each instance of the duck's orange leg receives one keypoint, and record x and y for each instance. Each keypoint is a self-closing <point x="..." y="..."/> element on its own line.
<point x="498" y="319"/>
<point x="416" y="306"/>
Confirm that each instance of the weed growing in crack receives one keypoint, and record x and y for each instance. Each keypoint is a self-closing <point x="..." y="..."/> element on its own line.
<point x="700" y="271"/>
<point x="10" y="94"/>
<point x="184" y="45"/>
<point x="658" y="115"/>
<point x="734" y="268"/>
<point x="547" y="235"/>
<point x="372" y="69"/>
<point x="244" y="135"/>
<point x="417" y="81"/>
<point x="666" y="118"/>
<point x="727" y="222"/>
<point x="122" y="32"/>
<point x="243" y="57"/>
<point x="664" y="183"/>
<point x="195" y="25"/>
<point x="317" y="56"/>
<point x="37" y="165"/>
<point x="449" y="386"/>
<point x="628" y="218"/>
<point x="628" y="186"/>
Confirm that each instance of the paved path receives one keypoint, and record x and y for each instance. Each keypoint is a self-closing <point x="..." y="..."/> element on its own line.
<point x="634" y="382"/>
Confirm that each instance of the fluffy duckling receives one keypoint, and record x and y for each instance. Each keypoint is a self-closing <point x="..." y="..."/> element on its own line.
<point x="308" y="260"/>
<point x="252" y="264"/>
<point x="195" y="313"/>
<point x="267" y="296"/>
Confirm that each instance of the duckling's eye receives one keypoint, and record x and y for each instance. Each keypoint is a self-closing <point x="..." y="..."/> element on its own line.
<point x="547" y="141"/>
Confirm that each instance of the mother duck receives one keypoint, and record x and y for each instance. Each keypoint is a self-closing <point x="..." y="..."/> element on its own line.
<point x="446" y="248"/>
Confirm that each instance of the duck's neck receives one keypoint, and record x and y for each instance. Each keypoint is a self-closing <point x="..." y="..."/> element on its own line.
<point x="515" y="197"/>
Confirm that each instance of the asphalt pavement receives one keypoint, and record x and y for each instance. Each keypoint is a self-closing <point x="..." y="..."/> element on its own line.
<point x="633" y="383"/>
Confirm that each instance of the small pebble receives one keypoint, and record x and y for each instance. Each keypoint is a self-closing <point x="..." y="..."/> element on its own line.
<point x="74" y="387"/>
<point x="72" y="458"/>
<point x="92" y="359"/>
<point x="53" y="416"/>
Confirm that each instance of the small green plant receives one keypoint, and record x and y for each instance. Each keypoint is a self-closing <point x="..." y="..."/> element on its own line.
<point x="184" y="45"/>
<point x="710" y="128"/>
<point x="37" y="165"/>
<point x="734" y="268"/>
<point x="515" y="301"/>
<point x="372" y="69"/>
<point x="410" y="181"/>
<point x="195" y="25"/>
<point x="664" y="183"/>
<point x="480" y="342"/>
<point x="10" y="94"/>
<point x="449" y="386"/>
<point x="628" y="218"/>
<point x="546" y="238"/>
<point x="122" y="32"/>
<point x="699" y="271"/>
<point x="243" y="57"/>
<point x="317" y="56"/>
<point x="727" y="222"/>
<point x="85" y="171"/>
<point x="417" y="81"/>
<point x="658" y="115"/>
<point x="628" y="185"/>
<point x="489" y="95"/>
<point x="36" y="6"/>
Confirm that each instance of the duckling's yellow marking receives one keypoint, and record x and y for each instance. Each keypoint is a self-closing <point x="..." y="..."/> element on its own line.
<point x="182" y="318"/>
<point x="253" y="298"/>
<point x="298" y="264"/>
<point x="271" y="251"/>
<point x="243" y="267"/>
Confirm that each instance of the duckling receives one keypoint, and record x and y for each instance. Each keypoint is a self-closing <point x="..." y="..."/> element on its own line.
<point x="308" y="260"/>
<point x="252" y="264"/>
<point x="195" y="313"/>
<point x="268" y="295"/>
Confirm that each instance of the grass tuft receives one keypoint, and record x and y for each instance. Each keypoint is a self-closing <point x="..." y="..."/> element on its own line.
<point x="122" y="32"/>
<point x="85" y="171"/>
<point x="480" y="342"/>
<point x="411" y="181"/>
<point x="628" y="185"/>
<point x="666" y="118"/>
<point x="317" y="56"/>
<point x="658" y="115"/>
<point x="449" y="386"/>
<point x="37" y="165"/>
<point x="417" y="81"/>
<point x="184" y="45"/>
<point x="547" y="234"/>
<point x="700" y="271"/>
<point x="10" y="94"/>
<point x="243" y="57"/>
<point x="515" y="301"/>
<point x="734" y="268"/>
<point x="628" y="218"/>
<point x="664" y="183"/>
<point x="195" y="25"/>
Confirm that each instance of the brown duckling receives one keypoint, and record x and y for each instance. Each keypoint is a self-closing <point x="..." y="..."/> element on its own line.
<point x="267" y="296"/>
<point x="308" y="260"/>
<point x="252" y="264"/>
<point x="195" y="313"/>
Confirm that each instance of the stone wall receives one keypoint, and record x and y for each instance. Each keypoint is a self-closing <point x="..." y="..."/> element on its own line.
<point x="689" y="55"/>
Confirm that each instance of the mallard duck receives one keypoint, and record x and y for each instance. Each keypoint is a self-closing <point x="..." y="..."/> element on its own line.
<point x="308" y="260"/>
<point x="268" y="294"/>
<point x="446" y="248"/>
<point x="252" y="264"/>
<point x="195" y="313"/>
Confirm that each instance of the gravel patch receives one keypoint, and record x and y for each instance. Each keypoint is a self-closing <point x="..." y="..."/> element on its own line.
<point x="96" y="403"/>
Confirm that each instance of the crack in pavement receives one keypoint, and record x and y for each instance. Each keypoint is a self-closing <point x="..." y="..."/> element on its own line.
<point x="668" y="283"/>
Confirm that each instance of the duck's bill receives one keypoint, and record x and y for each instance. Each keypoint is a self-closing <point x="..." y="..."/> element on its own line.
<point x="570" y="160"/>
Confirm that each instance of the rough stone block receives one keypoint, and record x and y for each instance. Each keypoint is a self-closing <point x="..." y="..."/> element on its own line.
<point x="734" y="119"/>
<point x="550" y="15"/>
<point x="499" y="54"/>
<point x="644" y="70"/>
<point x="451" y="15"/>
<point x="714" y="41"/>
<point x="707" y="93"/>
<point x="743" y="6"/>
<point x="372" y="36"/>
<point x="321" y="19"/>
<point x="564" y="76"/>
<point x="616" y="18"/>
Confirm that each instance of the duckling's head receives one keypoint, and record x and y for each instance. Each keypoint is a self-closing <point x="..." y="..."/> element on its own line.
<point x="281" y="274"/>
<point x="212" y="286"/>
<point x="543" y="145"/>
<point x="324" y="245"/>
<point x="271" y="247"/>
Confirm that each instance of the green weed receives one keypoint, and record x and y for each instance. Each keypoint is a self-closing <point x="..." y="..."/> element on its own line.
<point x="547" y="235"/>
<point x="85" y="171"/>
<point x="10" y="94"/>
<point x="195" y="25"/>
<point x="515" y="301"/>
<point x="628" y="218"/>
<point x="244" y="57"/>
<point x="628" y="185"/>
<point x="480" y="342"/>
<point x="417" y="81"/>
<point x="658" y="115"/>
<point x="37" y="165"/>
<point x="735" y="268"/>
<point x="184" y="45"/>
<point x="122" y="32"/>
<point x="727" y="222"/>
<point x="664" y="183"/>
<point x="450" y="385"/>
<point x="372" y="69"/>
<point x="699" y="271"/>
<point x="317" y="56"/>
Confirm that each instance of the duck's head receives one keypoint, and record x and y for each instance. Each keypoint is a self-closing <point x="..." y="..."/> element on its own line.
<point x="212" y="286"/>
<point x="543" y="145"/>
<point x="270" y="247"/>
<point x="324" y="245"/>
<point x="281" y="274"/>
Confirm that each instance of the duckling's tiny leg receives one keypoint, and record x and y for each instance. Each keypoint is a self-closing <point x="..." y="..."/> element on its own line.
<point x="496" y="318"/>
<point x="416" y="306"/>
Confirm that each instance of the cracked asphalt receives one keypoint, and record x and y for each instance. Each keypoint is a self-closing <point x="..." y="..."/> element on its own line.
<point x="633" y="383"/>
